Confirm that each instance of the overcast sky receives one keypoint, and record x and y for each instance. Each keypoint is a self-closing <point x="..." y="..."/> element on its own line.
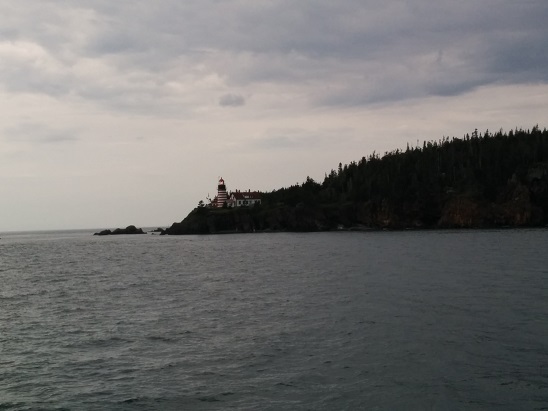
<point x="127" y="112"/>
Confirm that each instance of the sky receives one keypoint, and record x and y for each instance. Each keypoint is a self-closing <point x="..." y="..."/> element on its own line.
<point x="127" y="112"/>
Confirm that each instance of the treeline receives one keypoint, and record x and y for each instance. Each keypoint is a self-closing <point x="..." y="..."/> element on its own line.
<point x="414" y="185"/>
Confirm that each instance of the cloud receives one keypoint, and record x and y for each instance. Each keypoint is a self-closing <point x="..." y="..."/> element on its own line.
<point x="231" y="100"/>
<point x="286" y="138"/>
<point x="33" y="132"/>
<point x="349" y="53"/>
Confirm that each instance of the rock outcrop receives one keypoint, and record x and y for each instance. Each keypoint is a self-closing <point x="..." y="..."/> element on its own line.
<point x="130" y="229"/>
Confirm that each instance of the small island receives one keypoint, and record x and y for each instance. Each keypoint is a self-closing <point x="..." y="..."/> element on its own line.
<point x="130" y="229"/>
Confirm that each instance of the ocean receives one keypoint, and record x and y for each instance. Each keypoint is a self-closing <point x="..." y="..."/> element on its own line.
<point x="412" y="320"/>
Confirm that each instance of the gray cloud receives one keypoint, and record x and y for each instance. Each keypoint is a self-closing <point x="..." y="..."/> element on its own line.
<point x="302" y="139"/>
<point x="32" y="132"/>
<point x="344" y="53"/>
<point x="231" y="100"/>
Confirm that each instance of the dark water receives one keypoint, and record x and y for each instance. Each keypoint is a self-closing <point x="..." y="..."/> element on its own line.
<point x="330" y="321"/>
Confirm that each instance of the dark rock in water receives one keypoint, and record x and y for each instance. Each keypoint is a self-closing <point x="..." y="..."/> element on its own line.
<point x="104" y="232"/>
<point x="130" y="229"/>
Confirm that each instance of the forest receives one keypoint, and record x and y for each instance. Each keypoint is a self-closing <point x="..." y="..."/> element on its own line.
<point x="481" y="180"/>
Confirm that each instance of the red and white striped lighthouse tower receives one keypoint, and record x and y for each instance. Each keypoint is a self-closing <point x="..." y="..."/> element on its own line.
<point x="221" y="193"/>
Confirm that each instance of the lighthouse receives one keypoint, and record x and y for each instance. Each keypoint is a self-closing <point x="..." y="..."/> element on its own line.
<point x="221" y="193"/>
